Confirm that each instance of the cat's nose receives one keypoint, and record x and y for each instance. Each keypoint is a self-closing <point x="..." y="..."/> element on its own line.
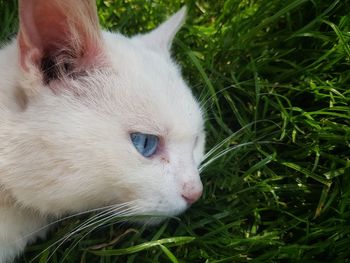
<point x="190" y="199"/>
<point x="192" y="193"/>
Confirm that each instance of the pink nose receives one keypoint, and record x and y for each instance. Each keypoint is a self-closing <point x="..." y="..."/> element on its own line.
<point x="192" y="196"/>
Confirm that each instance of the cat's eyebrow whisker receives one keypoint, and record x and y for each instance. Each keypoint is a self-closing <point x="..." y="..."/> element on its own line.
<point x="222" y="153"/>
<point x="229" y="149"/>
<point x="203" y="100"/>
<point x="223" y="142"/>
<point x="228" y="138"/>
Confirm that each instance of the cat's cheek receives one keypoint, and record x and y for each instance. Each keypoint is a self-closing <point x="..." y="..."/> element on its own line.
<point x="161" y="155"/>
<point x="165" y="206"/>
<point x="159" y="193"/>
<point x="199" y="149"/>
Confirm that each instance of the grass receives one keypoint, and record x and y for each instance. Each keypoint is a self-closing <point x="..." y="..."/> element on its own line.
<point x="274" y="77"/>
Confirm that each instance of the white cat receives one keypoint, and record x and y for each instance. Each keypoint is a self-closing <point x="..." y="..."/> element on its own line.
<point x="90" y="119"/>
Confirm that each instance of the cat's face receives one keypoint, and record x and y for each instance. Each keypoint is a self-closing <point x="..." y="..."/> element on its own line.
<point x="127" y="130"/>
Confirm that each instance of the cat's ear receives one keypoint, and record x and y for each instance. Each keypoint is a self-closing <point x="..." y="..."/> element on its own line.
<point x="162" y="37"/>
<point x="58" y="36"/>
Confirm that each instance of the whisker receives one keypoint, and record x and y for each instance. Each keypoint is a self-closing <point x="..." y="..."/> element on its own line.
<point x="67" y="236"/>
<point x="69" y="217"/>
<point x="222" y="153"/>
<point x="93" y="229"/>
<point x="113" y="210"/>
<point x="95" y="220"/>
<point x="227" y="139"/>
<point x="229" y="149"/>
<point x="94" y="226"/>
<point x="207" y="97"/>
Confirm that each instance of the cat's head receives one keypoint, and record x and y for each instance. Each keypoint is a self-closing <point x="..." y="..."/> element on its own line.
<point x="106" y="119"/>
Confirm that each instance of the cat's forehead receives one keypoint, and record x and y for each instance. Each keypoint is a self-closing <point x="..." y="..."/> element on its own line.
<point x="150" y="92"/>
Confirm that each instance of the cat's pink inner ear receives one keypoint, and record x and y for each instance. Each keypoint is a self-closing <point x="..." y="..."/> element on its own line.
<point x="49" y="28"/>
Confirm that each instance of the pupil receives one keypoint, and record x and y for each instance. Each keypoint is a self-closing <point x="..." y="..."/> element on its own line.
<point x="145" y="143"/>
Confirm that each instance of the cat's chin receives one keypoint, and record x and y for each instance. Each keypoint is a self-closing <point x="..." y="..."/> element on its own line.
<point x="151" y="220"/>
<point x="157" y="217"/>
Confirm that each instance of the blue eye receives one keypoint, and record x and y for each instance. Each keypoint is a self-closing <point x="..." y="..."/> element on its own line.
<point x="146" y="144"/>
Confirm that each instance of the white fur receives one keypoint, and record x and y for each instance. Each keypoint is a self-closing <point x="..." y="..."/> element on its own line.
<point x="70" y="151"/>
